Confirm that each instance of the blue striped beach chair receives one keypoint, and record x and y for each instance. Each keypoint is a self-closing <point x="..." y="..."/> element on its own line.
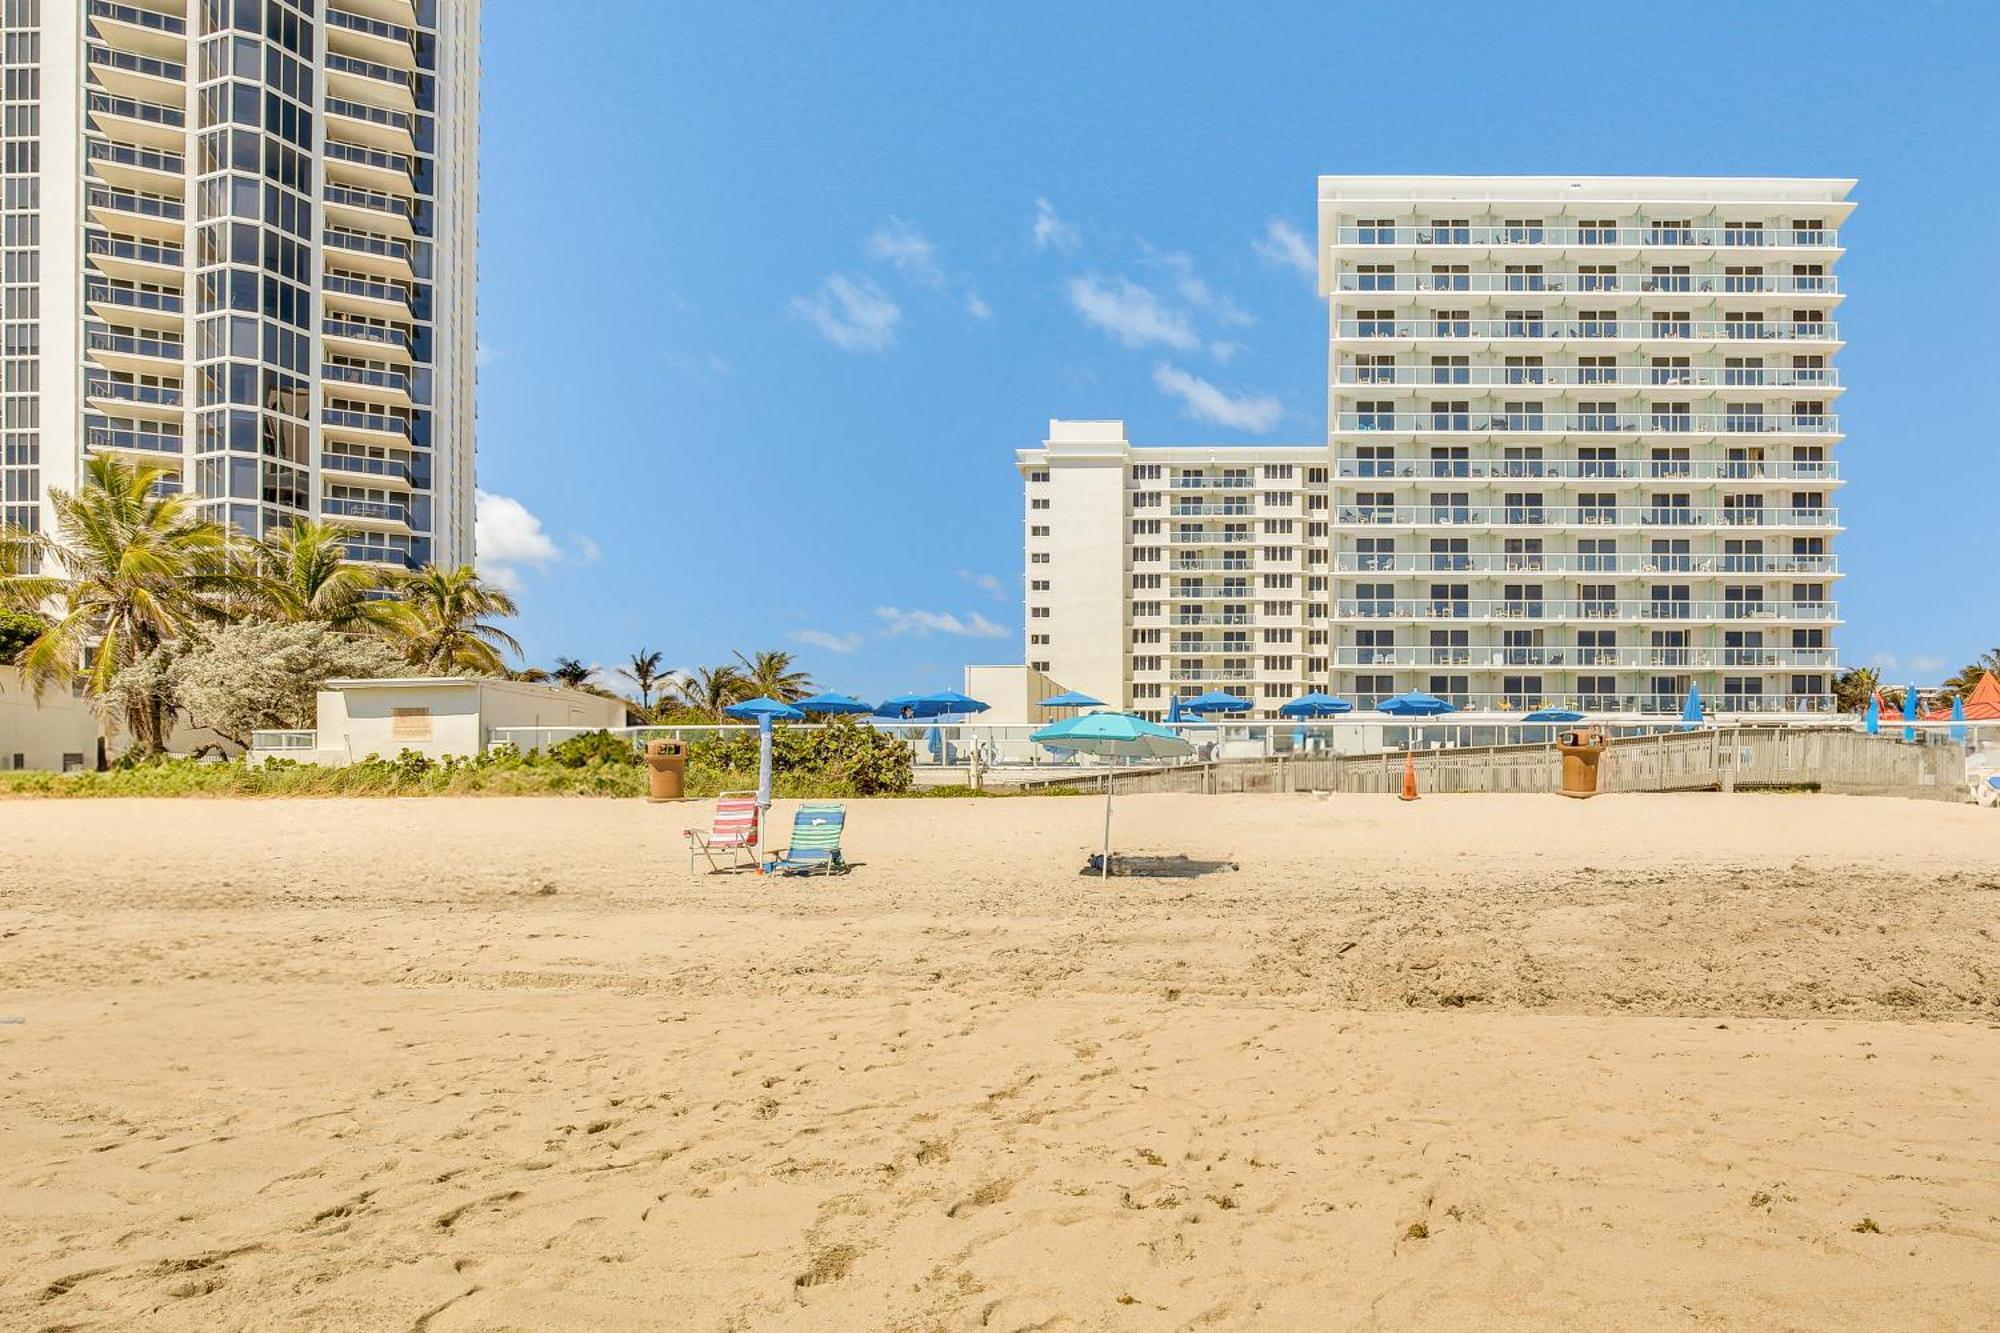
<point x="815" y="848"/>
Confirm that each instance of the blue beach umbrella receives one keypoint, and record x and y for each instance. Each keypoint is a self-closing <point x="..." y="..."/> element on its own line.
<point x="1316" y="704"/>
<point x="1174" y="709"/>
<point x="1215" y="701"/>
<point x="832" y="703"/>
<point x="1113" y="736"/>
<point x="1910" y="712"/>
<point x="1553" y="715"/>
<point x="1415" y="703"/>
<point x="1072" y="699"/>
<point x="1958" y="716"/>
<point x="1691" y="710"/>
<point x="764" y="712"/>
<point x="1873" y="722"/>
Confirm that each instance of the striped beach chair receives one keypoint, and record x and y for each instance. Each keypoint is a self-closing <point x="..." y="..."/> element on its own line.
<point x="815" y="848"/>
<point x="734" y="832"/>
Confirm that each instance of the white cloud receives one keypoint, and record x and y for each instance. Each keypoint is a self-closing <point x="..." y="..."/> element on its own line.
<point x="1133" y="314"/>
<point x="1283" y="245"/>
<point x="896" y="621"/>
<point x="853" y="314"/>
<point x="898" y="243"/>
<point x="1193" y="289"/>
<point x="509" y="539"/>
<point x="1225" y="352"/>
<point x="1924" y="666"/>
<point x="1051" y="232"/>
<point x="587" y="549"/>
<point x="833" y="643"/>
<point x="975" y="305"/>
<point x="1205" y="402"/>
<point x="988" y="583"/>
<point x="484" y="354"/>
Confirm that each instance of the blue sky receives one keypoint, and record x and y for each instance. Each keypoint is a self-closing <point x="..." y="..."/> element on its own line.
<point x="770" y="294"/>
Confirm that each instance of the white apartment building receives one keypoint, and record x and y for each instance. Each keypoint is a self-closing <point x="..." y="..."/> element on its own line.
<point x="239" y="244"/>
<point x="1579" y="452"/>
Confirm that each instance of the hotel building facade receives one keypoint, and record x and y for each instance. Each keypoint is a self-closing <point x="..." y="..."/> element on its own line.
<point x="1580" y="452"/>
<point x="239" y="244"/>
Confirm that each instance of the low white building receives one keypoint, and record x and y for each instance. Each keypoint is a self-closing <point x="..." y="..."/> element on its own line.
<point x="57" y="733"/>
<point x="433" y="716"/>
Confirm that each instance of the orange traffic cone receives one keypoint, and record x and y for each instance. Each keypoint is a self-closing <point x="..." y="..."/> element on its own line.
<point x="1409" y="776"/>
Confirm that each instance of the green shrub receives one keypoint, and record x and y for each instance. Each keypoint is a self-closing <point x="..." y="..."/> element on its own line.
<point x="593" y="747"/>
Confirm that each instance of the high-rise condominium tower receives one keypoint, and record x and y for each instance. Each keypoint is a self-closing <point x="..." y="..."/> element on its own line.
<point x="1579" y="452"/>
<point x="239" y="244"/>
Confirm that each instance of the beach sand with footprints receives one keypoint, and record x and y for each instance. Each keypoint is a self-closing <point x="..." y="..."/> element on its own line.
<point x="1474" y="1063"/>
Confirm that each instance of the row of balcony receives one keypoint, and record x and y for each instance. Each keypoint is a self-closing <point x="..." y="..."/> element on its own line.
<point x="1567" y="609"/>
<point x="1644" y="236"/>
<point x="1593" y="469"/>
<point x="1724" y="703"/>
<point x="1592" y="330"/>
<point x="387" y="469"/>
<point x="1570" y="516"/>
<point x="1594" y="284"/>
<point x="1623" y="563"/>
<point x="1590" y="423"/>
<point x="1765" y="659"/>
<point x="1726" y="376"/>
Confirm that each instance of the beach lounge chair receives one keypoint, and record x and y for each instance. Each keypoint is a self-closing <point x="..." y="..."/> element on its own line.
<point x="734" y="832"/>
<point x="1982" y="776"/>
<point x="815" y="848"/>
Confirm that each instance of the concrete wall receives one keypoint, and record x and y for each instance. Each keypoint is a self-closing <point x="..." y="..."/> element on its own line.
<point x="57" y="733"/>
<point x="440" y="718"/>
<point x="1015" y="693"/>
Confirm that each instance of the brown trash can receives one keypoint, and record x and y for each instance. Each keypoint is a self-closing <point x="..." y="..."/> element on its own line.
<point x="1580" y="751"/>
<point x="668" y="762"/>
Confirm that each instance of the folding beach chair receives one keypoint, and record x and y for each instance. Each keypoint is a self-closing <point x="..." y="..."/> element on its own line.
<point x="815" y="845"/>
<point x="1982" y="775"/>
<point x="734" y="831"/>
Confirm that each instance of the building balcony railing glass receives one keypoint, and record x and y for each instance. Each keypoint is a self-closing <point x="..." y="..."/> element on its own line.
<point x="367" y="288"/>
<point x="337" y="63"/>
<point x="1594" y="377"/>
<point x="133" y="298"/>
<point x="374" y="115"/>
<point x="1589" y="330"/>
<point x="1568" y="283"/>
<point x="130" y="108"/>
<point x="362" y="156"/>
<point x="1514" y="469"/>
<point x="1227" y="482"/>
<point x="383" y="422"/>
<point x="394" y="32"/>
<point x="1619" y="563"/>
<point x="1561" y="609"/>
<point x="373" y="377"/>
<point x="131" y="201"/>
<point x="368" y="467"/>
<point x="171" y="24"/>
<point x="1194" y="562"/>
<point x="133" y="344"/>
<point x="144" y="252"/>
<point x="171" y="71"/>
<point x="372" y="199"/>
<point x="1662" y="705"/>
<point x="127" y="391"/>
<point x="365" y="243"/>
<point x="1487" y="657"/>
<point x="1194" y="510"/>
<point x="1747" y="238"/>
<point x="131" y="155"/>
<point x="110" y="437"/>
<point x="1589" y="423"/>
<point x="370" y="509"/>
<point x="374" y="333"/>
<point x="1583" y="516"/>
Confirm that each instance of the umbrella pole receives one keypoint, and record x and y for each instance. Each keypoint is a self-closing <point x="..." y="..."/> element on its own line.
<point x="1107" y="826"/>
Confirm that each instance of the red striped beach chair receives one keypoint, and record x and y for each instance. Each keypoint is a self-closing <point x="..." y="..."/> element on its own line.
<point x="734" y="831"/>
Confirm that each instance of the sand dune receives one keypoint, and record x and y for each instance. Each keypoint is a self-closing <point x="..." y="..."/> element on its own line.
<point x="1644" y="1062"/>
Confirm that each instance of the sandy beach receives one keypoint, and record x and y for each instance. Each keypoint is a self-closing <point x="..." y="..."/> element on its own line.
<point x="1678" y="1062"/>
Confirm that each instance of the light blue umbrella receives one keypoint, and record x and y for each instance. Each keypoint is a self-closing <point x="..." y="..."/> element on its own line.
<point x="941" y="704"/>
<point x="1174" y="709"/>
<point x="1072" y="699"/>
<point x="1215" y="701"/>
<point x="1958" y="716"/>
<point x="1910" y="712"/>
<point x="1414" y="704"/>
<point x="764" y="712"/>
<point x="1113" y="736"/>
<point x="1873" y="722"/>
<point x="1316" y="704"/>
<point x="1553" y="715"/>
<point x="832" y="703"/>
<point x="1691" y="710"/>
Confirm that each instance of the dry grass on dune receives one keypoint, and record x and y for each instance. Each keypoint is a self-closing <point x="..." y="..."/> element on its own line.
<point x="1473" y="1063"/>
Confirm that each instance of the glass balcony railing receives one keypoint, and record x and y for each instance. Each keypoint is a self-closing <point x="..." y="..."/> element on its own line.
<point x="394" y="32"/>
<point x="1488" y="656"/>
<point x="1648" y="283"/>
<point x="372" y="509"/>
<point x="1522" y="608"/>
<point x="367" y="69"/>
<point x="132" y="109"/>
<point x="374" y="115"/>
<point x="1628" y="330"/>
<point x="1629" y="236"/>
<point x="363" y="287"/>
<point x="365" y="243"/>
<point x="369" y="157"/>
<point x="1582" y="470"/>
<point x="105" y="437"/>
<point x="1690" y="376"/>
<point x="375" y="199"/>
<point x="367" y="467"/>
<point x="1487" y="421"/>
<point x="1226" y="482"/>
<point x="375" y="333"/>
<point x="133" y="345"/>
<point x="375" y="421"/>
<point x="133" y="298"/>
<point x="376" y="378"/>
<point x="145" y="252"/>
<point x="131" y="155"/>
<point x="1622" y="563"/>
<point x="1581" y="516"/>
<point x="113" y="58"/>
<point x="126" y="391"/>
<point x="130" y="201"/>
<point x="171" y="24"/>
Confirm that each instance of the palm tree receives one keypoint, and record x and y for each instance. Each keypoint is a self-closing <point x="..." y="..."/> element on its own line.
<point x="772" y="676"/>
<point x="644" y="671"/>
<point x="304" y="574"/>
<point x="1854" y="687"/>
<point x="532" y="675"/>
<point x="1971" y="673"/>
<point x="571" y="672"/>
<point x="128" y="570"/>
<point x="712" y="689"/>
<point x="443" y="619"/>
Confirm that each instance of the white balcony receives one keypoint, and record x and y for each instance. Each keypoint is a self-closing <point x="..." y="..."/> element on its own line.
<point x="135" y="260"/>
<point x="154" y="171"/>
<point x="140" y="352"/>
<point x="384" y="384"/>
<point x="1558" y="610"/>
<point x="360" y="80"/>
<point x="1801" y="381"/>
<point x="380" y="256"/>
<point x="139" y="29"/>
<point x="370" y="126"/>
<point x="370" y="36"/>
<point x="1592" y="472"/>
<point x="368" y="168"/>
<point x="1627" y="564"/>
<point x="1584" y="517"/>
<point x="132" y="120"/>
<point x="130" y="213"/>
<point x="1594" y="286"/>
<point x="1485" y="422"/>
<point x="1591" y="334"/>
<point x="373" y="211"/>
<point x="1593" y="240"/>
<point x="370" y="515"/>
<point x="1493" y="657"/>
<point x="115" y="303"/>
<point x="115" y="397"/>
<point x="359" y="338"/>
